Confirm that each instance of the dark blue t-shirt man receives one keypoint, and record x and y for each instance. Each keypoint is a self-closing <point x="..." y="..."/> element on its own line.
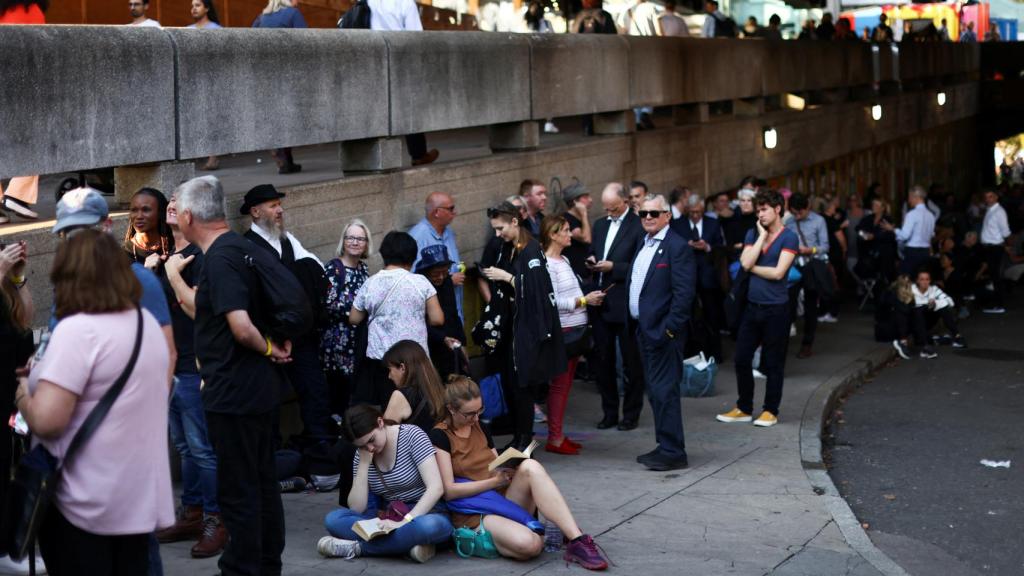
<point x="762" y="290"/>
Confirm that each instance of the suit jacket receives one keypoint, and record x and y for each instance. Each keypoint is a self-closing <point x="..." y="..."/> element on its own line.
<point x="711" y="232"/>
<point x="666" y="297"/>
<point x="621" y="253"/>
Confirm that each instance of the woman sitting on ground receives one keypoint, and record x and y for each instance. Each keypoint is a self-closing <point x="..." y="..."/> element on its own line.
<point x="419" y="396"/>
<point x="464" y="450"/>
<point x="394" y="465"/>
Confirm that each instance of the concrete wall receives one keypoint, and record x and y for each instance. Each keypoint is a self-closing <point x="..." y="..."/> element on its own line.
<point x="88" y="97"/>
<point x="707" y="157"/>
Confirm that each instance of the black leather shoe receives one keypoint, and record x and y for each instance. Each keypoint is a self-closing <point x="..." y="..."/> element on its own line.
<point x="644" y="457"/>
<point x="607" y="423"/>
<point x="659" y="463"/>
<point x="627" y="425"/>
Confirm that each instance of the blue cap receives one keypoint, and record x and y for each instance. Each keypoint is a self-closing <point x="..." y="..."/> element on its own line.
<point x="434" y="255"/>
<point x="80" y="207"/>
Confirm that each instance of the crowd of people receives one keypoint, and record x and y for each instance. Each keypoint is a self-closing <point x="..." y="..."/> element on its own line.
<point x="227" y="325"/>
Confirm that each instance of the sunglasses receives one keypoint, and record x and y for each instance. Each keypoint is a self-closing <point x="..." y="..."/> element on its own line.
<point x="651" y="213"/>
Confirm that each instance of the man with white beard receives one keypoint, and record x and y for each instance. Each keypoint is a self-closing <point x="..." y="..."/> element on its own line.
<point x="263" y="205"/>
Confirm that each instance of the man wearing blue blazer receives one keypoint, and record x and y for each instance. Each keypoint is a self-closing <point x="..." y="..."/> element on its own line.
<point x="661" y="286"/>
<point x="703" y="235"/>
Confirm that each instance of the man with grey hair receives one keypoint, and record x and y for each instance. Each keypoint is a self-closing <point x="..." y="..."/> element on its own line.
<point x="660" y="286"/>
<point x="615" y="239"/>
<point x="242" y="379"/>
<point x="435" y="228"/>
<point x="915" y="236"/>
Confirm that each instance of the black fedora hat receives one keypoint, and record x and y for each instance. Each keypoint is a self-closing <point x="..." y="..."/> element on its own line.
<point x="258" y="195"/>
<point x="432" y="256"/>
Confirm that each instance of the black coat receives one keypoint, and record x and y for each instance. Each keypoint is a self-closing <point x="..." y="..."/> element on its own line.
<point x="538" y="352"/>
<point x="621" y="252"/>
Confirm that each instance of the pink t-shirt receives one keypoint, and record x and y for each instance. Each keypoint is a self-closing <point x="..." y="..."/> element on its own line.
<point x="120" y="480"/>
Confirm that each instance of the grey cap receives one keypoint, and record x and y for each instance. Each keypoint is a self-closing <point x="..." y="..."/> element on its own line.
<point x="80" y="207"/>
<point x="745" y="193"/>
<point x="573" y="191"/>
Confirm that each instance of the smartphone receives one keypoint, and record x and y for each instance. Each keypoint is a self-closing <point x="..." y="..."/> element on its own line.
<point x="610" y="286"/>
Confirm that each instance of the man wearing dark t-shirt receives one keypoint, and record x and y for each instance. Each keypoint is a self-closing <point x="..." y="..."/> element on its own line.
<point x="578" y="202"/>
<point x="241" y="380"/>
<point x="768" y="252"/>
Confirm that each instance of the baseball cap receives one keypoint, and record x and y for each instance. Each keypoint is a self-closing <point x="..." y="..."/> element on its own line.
<point x="80" y="207"/>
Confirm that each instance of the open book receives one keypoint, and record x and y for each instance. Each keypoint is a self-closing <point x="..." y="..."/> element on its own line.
<point x="372" y="528"/>
<point x="511" y="457"/>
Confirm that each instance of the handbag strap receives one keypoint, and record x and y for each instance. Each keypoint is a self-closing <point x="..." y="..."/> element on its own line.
<point x="95" y="418"/>
<point x="385" y="299"/>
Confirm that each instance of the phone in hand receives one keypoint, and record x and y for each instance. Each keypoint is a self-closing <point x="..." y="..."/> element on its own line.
<point x="610" y="286"/>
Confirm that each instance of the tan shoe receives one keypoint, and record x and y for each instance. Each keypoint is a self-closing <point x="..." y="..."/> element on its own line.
<point x="766" y="420"/>
<point x="188" y="526"/>
<point x="734" y="415"/>
<point x="214" y="538"/>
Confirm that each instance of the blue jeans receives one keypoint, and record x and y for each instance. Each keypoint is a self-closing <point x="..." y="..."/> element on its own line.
<point x="189" y="435"/>
<point x="430" y="528"/>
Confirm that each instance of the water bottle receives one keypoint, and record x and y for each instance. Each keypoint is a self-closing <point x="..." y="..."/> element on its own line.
<point x="552" y="537"/>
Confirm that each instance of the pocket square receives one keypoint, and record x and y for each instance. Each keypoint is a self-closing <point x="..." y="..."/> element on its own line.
<point x="662" y="265"/>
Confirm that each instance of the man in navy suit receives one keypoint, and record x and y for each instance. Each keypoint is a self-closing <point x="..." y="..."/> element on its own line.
<point x="661" y="287"/>
<point x="614" y="241"/>
<point x="704" y="234"/>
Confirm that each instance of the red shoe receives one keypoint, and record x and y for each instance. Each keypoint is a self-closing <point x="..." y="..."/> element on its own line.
<point x="564" y="448"/>
<point x="586" y="553"/>
<point x="571" y="442"/>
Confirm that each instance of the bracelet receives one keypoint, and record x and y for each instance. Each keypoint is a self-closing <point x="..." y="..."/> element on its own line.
<point x="814" y="250"/>
<point x="409" y="517"/>
<point x="582" y="302"/>
<point x="18" y="281"/>
<point x="270" y="348"/>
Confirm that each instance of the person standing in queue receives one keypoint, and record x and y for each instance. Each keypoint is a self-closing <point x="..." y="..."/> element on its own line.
<point x="661" y="285"/>
<point x="768" y="252"/>
<point x="242" y="379"/>
<point x="533" y="350"/>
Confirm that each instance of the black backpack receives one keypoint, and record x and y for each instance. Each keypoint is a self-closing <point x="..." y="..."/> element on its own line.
<point x="725" y="28"/>
<point x="358" y="16"/>
<point x="288" y="313"/>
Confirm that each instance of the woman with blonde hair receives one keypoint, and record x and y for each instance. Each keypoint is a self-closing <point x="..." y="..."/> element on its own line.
<point x="464" y="450"/>
<point x="342" y="344"/>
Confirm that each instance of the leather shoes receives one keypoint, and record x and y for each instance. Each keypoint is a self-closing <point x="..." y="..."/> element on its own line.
<point x="607" y="423"/>
<point x="660" y="463"/>
<point x="627" y="425"/>
<point x="647" y="456"/>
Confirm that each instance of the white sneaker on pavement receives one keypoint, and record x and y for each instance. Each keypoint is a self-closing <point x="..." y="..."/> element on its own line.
<point x="550" y="128"/>
<point x="331" y="547"/>
<point x="8" y="566"/>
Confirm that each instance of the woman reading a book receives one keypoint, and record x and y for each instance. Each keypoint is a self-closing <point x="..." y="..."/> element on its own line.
<point x="395" y="466"/>
<point x="465" y="451"/>
<point x="418" y="397"/>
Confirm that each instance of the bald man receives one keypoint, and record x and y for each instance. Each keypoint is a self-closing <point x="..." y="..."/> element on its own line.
<point x="435" y="228"/>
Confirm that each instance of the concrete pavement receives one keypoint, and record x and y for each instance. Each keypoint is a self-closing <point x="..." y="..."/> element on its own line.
<point x="745" y="506"/>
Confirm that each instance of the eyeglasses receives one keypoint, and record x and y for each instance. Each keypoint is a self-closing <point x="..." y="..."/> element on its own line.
<point x="448" y="208"/>
<point x="471" y="415"/>
<point x="355" y="239"/>
<point x="651" y="213"/>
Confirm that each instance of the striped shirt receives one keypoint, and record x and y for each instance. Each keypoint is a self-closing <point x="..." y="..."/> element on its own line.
<point x="567" y="293"/>
<point x="403" y="482"/>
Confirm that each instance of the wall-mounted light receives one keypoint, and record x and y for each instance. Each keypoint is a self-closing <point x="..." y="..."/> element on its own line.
<point x="771" y="138"/>
<point x="876" y="112"/>
<point x="941" y="98"/>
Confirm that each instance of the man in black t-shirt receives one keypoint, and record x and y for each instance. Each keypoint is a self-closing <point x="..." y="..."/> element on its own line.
<point x="578" y="201"/>
<point x="241" y="382"/>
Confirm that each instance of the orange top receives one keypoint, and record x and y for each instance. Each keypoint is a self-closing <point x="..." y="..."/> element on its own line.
<point x="23" y="15"/>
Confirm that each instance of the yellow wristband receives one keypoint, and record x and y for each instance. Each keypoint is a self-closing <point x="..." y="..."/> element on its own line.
<point x="270" y="349"/>
<point x="17" y="280"/>
<point x="814" y="250"/>
<point x="583" y="301"/>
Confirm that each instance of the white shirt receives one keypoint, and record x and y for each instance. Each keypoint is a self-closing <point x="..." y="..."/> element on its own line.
<point x="642" y="18"/>
<point x="942" y="300"/>
<point x="613" y="230"/>
<point x="297" y="248"/>
<point x="918" y="228"/>
<point x="394" y="15"/>
<point x="147" y="23"/>
<point x="672" y="25"/>
<point x="640" y="266"/>
<point x="994" y="228"/>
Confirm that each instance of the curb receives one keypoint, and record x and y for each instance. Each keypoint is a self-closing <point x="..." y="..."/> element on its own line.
<point x="816" y="414"/>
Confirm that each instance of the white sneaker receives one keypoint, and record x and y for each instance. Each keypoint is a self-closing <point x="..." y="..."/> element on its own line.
<point x="792" y="330"/>
<point x="331" y="547"/>
<point x="995" y="310"/>
<point x="759" y="375"/>
<point x="828" y="319"/>
<point x="550" y="128"/>
<point x="19" y="208"/>
<point x="9" y="567"/>
<point x="422" y="553"/>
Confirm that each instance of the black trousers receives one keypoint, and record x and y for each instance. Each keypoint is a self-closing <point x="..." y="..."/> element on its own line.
<point x="606" y="335"/>
<point x="919" y="321"/>
<point x="994" y="261"/>
<point x="767" y="326"/>
<point x="417" y="145"/>
<point x="810" y="311"/>
<point x="307" y="379"/>
<point x="248" y="493"/>
<point x="71" y="551"/>
<point x="663" y="368"/>
<point x="914" y="259"/>
<point x="339" y="390"/>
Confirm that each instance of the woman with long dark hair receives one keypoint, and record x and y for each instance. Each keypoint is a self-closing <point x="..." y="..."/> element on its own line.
<point x="531" y="345"/>
<point x="419" y="396"/>
<point x="148" y="239"/>
<point x="205" y="14"/>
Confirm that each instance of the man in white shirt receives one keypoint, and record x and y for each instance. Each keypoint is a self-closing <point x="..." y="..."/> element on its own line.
<point x="403" y="15"/>
<point x="138" y="10"/>
<point x="995" y="229"/>
<point x="915" y="236"/>
<point x="670" y="23"/>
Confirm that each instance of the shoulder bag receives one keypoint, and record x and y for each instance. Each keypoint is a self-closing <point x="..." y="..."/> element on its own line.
<point x="478" y="543"/>
<point x="817" y="273"/>
<point x="38" y="473"/>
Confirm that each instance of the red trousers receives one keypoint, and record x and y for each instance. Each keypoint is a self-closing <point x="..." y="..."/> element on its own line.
<point x="558" y="398"/>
